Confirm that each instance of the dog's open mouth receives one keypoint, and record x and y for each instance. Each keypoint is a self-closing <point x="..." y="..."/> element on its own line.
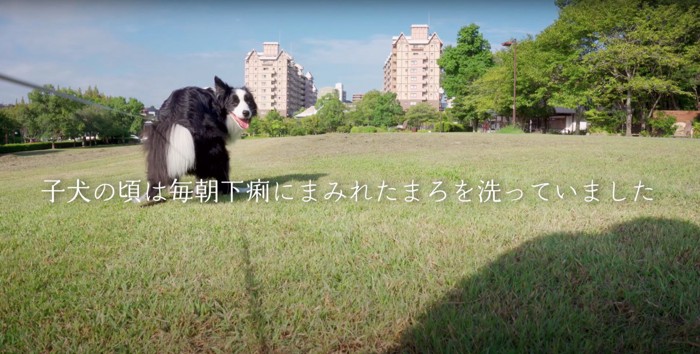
<point x="243" y="123"/>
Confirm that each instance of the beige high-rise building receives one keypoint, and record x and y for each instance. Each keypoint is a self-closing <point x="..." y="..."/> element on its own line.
<point x="277" y="82"/>
<point x="411" y="70"/>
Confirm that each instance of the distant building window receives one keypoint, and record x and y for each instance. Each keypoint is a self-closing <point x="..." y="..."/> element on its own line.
<point x="413" y="78"/>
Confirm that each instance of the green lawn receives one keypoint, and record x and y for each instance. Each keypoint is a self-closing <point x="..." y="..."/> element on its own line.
<point x="357" y="275"/>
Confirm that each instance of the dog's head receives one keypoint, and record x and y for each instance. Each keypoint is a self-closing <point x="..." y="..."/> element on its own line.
<point x="239" y="105"/>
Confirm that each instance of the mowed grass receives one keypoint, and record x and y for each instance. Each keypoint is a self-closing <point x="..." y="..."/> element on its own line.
<point x="359" y="275"/>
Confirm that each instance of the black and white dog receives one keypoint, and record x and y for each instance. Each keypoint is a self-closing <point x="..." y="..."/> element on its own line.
<point x="191" y="132"/>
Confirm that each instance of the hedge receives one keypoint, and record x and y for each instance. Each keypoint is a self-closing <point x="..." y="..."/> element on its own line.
<point x="10" y="148"/>
<point x="368" y="129"/>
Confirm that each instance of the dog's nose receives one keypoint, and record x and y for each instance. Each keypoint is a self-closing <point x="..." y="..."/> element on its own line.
<point x="246" y="114"/>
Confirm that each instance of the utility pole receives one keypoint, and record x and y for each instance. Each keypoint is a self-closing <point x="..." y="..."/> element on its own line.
<point x="513" y="43"/>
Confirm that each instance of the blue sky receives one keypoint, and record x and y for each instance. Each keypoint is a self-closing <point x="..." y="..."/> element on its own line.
<point x="146" y="49"/>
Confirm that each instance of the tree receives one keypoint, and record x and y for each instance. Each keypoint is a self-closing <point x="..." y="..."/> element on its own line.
<point x="312" y="125"/>
<point x="8" y="125"/>
<point x="272" y="124"/>
<point x="379" y="109"/>
<point x="569" y="81"/>
<point x="461" y="66"/>
<point x="490" y="94"/>
<point x="28" y="125"/>
<point x="54" y="113"/>
<point x="91" y="121"/>
<point x="629" y="51"/>
<point x="68" y="114"/>
<point x="465" y="62"/>
<point x="421" y="113"/>
<point x="538" y="85"/>
<point x="256" y="126"/>
<point x="331" y="112"/>
<point x="273" y="115"/>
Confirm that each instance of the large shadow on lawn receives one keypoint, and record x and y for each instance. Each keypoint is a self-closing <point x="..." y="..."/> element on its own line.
<point x="633" y="288"/>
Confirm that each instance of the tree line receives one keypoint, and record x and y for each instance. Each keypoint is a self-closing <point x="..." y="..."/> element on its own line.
<point x="615" y="62"/>
<point x="376" y="111"/>
<point x="49" y="117"/>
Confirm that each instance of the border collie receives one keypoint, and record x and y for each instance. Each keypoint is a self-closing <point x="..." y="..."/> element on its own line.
<point x="191" y="132"/>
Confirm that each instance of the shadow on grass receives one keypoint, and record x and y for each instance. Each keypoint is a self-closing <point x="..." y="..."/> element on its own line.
<point x="257" y="319"/>
<point x="633" y="288"/>
<point x="35" y="152"/>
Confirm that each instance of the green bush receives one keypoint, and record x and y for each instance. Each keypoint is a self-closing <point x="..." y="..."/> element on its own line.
<point x="448" y="127"/>
<point x="605" y="122"/>
<point x="510" y="129"/>
<point x="344" y="129"/>
<point x="696" y="129"/>
<point x="297" y="130"/>
<point x="662" y="124"/>
<point x="595" y="130"/>
<point x="10" y="148"/>
<point x="364" y="129"/>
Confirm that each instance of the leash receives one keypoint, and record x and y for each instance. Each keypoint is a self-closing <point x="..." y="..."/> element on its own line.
<point x="86" y="102"/>
<point x="62" y="94"/>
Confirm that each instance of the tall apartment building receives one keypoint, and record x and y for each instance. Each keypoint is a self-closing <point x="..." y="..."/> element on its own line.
<point x="277" y="82"/>
<point x="411" y="70"/>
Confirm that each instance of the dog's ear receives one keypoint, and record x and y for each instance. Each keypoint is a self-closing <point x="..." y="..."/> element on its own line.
<point x="220" y="87"/>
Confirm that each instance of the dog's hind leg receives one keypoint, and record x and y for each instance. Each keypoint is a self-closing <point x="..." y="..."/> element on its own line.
<point x="213" y="162"/>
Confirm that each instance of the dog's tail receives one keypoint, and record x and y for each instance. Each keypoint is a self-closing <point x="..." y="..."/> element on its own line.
<point x="156" y="157"/>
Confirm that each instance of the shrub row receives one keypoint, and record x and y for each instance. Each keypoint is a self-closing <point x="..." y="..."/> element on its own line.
<point x="368" y="129"/>
<point x="11" y="148"/>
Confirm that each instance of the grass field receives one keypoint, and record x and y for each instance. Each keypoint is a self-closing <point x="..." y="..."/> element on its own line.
<point x="357" y="275"/>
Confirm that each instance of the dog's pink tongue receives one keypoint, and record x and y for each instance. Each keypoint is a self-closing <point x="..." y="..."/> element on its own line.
<point x="243" y="124"/>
